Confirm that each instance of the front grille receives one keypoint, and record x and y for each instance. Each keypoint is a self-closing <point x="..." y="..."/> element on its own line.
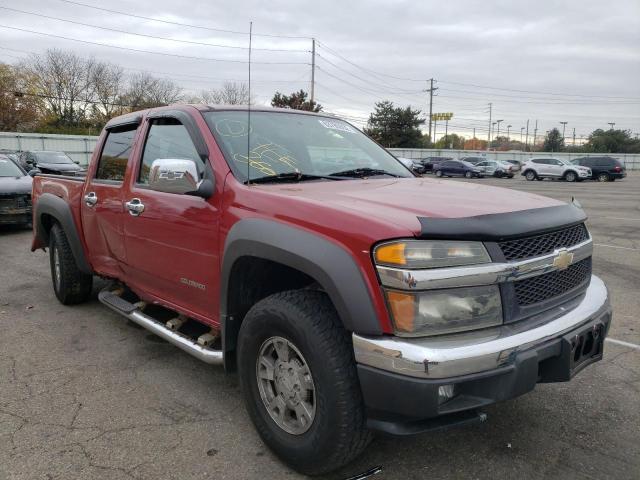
<point x="544" y="287"/>
<point x="542" y="244"/>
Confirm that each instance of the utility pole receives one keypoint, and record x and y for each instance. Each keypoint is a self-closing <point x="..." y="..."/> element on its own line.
<point x="521" y="129"/>
<point x="574" y="136"/>
<point x="431" y="89"/>
<point x="526" y="142"/>
<point x="489" y="136"/>
<point x="535" y="136"/>
<point x="564" y="124"/>
<point x="446" y="131"/>
<point x="435" y="125"/>
<point x="474" y="138"/>
<point x="313" y="68"/>
<point x="612" y="124"/>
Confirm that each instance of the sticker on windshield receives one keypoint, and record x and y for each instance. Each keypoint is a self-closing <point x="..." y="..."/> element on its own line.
<point x="343" y="127"/>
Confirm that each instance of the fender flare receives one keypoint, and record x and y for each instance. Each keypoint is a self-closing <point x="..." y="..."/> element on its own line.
<point x="56" y="207"/>
<point x="333" y="267"/>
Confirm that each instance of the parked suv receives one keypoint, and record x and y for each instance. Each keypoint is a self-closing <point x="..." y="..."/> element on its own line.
<point x="541" y="168"/>
<point x="347" y="294"/>
<point x="603" y="169"/>
<point x="496" y="168"/>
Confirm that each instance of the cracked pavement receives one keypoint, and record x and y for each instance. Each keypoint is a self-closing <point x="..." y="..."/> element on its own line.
<point x="84" y="394"/>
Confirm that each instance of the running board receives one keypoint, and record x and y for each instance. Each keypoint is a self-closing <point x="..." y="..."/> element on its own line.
<point x="133" y="313"/>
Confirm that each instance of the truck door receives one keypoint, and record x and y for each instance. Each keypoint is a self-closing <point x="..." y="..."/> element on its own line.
<point x="172" y="238"/>
<point x="101" y="203"/>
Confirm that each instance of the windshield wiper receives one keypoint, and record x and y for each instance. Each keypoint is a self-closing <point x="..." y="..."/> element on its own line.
<point x="291" y="177"/>
<point x="363" y="172"/>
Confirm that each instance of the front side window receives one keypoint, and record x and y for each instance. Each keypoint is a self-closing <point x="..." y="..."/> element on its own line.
<point x="115" y="154"/>
<point x="292" y="142"/>
<point x="9" y="169"/>
<point x="167" y="139"/>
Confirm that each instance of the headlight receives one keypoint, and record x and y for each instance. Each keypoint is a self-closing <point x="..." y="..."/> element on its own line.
<point x="430" y="254"/>
<point x="437" y="312"/>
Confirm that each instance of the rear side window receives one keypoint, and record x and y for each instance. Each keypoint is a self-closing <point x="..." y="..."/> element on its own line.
<point x="115" y="154"/>
<point x="604" y="162"/>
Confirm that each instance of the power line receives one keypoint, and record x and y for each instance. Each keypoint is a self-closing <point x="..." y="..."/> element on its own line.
<point x="176" y="55"/>
<point x="191" y="42"/>
<point x="485" y="95"/>
<point x="201" y="27"/>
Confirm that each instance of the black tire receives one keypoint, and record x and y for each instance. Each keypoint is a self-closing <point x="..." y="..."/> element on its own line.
<point x="70" y="285"/>
<point x="468" y="174"/>
<point x="604" y="177"/>
<point x="571" y="176"/>
<point x="531" y="175"/>
<point x="337" y="433"/>
<point x="438" y="173"/>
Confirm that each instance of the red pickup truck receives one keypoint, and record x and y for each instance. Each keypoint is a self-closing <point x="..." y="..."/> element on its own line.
<point x="349" y="295"/>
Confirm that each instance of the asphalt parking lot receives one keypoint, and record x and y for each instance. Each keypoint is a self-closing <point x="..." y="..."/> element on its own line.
<point x="86" y="395"/>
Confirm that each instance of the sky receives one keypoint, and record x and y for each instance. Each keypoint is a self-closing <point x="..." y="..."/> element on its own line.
<point x="551" y="61"/>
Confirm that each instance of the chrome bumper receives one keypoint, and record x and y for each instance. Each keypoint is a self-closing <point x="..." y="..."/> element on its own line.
<point x="478" y="351"/>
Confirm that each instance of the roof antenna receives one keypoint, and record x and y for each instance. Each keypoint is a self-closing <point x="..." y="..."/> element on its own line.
<point x="249" y="112"/>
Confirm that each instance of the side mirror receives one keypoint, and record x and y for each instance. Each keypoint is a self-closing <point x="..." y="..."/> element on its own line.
<point x="77" y="162"/>
<point x="34" y="171"/>
<point x="29" y="161"/>
<point x="173" y="175"/>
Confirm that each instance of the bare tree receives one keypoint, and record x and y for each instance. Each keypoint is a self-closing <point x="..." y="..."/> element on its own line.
<point x="107" y="85"/>
<point x="231" y="93"/>
<point x="146" y="91"/>
<point x="63" y="81"/>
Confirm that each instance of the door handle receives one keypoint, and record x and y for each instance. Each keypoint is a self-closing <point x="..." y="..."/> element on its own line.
<point x="90" y="199"/>
<point x="135" y="207"/>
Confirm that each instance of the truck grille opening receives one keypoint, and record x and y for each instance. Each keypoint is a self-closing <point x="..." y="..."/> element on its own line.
<point x="544" y="287"/>
<point x="542" y="244"/>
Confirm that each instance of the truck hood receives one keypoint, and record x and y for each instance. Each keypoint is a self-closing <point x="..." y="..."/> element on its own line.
<point x="401" y="202"/>
<point x="58" y="167"/>
<point x="17" y="185"/>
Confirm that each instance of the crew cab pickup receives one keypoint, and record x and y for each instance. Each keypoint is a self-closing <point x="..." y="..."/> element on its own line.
<point x="349" y="295"/>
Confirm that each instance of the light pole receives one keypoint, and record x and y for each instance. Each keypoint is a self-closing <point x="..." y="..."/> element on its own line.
<point x="521" y="130"/>
<point x="612" y="124"/>
<point x="491" y="133"/>
<point x="498" y="122"/>
<point x="564" y="124"/>
<point x="508" y="130"/>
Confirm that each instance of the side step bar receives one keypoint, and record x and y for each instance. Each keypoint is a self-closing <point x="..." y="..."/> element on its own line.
<point x="133" y="313"/>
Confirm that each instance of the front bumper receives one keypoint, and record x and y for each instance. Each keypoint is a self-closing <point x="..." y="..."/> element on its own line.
<point x="15" y="216"/>
<point x="400" y="377"/>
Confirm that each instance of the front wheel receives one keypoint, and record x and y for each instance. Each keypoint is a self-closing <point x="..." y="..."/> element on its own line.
<point x="571" y="177"/>
<point x="299" y="381"/>
<point x="530" y="175"/>
<point x="70" y="285"/>
<point x="438" y="173"/>
<point x="468" y="174"/>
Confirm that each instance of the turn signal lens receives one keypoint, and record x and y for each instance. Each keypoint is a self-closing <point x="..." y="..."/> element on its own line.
<point x="391" y="253"/>
<point x="403" y="308"/>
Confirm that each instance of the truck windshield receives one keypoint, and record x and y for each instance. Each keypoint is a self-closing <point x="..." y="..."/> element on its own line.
<point x="53" y="157"/>
<point x="282" y="143"/>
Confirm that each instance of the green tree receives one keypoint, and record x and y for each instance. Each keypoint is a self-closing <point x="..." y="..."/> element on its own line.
<point x="553" y="142"/>
<point x="297" y="101"/>
<point x="396" y="127"/>
<point x="451" y="140"/>
<point x="612" y="141"/>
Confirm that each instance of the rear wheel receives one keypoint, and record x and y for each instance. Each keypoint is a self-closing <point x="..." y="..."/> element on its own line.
<point x="299" y="381"/>
<point x="530" y="175"/>
<point x="603" y="177"/>
<point x="468" y="174"/>
<point x="438" y="173"/>
<point x="70" y="285"/>
<point x="570" y="176"/>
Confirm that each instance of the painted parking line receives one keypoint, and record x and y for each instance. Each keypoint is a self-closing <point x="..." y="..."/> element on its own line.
<point x="624" y="344"/>
<point x="615" y="246"/>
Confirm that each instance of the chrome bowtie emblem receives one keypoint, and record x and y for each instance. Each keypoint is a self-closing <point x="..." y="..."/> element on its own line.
<point x="562" y="260"/>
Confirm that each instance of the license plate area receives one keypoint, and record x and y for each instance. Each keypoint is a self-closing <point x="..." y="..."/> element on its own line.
<point x="585" y="347"/>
